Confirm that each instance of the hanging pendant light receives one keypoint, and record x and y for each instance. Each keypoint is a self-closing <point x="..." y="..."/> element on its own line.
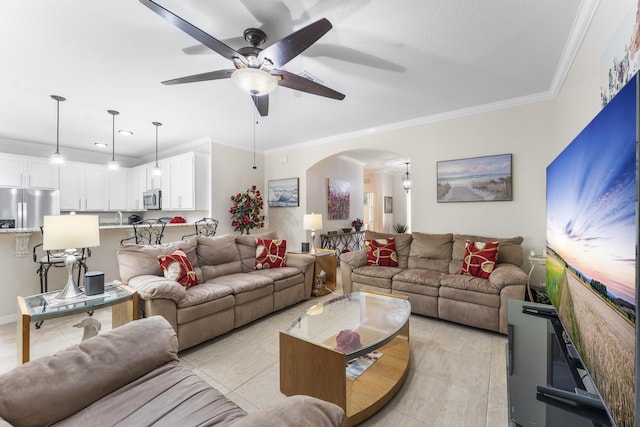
<point x="56" y="157"/>
<point x="113" y="165"/>
<point x="156" y="170"/>
<point x="406" y="181"/>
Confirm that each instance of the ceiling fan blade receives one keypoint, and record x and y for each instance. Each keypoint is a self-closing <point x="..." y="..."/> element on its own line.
<point x="287" y="48"/>
<point x="193" y="31"/>
<point x="262" y="104"/>
<point x="293" y="81"/>
<point x="211" y="75"/>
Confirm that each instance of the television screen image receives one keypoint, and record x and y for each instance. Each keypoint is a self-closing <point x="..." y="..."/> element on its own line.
<point x="591" y="248"/>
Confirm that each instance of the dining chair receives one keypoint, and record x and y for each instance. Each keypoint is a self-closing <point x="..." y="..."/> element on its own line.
<point x="146" y="232"/>
<point x="204" y="227"/>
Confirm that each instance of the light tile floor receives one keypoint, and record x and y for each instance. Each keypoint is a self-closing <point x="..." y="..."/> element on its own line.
<point x="457" y="374"/>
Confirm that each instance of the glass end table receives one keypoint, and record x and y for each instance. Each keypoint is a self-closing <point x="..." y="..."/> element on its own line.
<point x="40" y="307"/>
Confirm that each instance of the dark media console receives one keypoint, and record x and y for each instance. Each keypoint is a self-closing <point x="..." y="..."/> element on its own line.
<point x="546" y="379"/>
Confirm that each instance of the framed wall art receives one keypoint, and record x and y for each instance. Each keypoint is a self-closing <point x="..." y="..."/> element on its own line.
<point x="339" y="199"/>
<point x="388" y="204"/>
<point x="283" y="193"/>
<point x="476" y="179"/>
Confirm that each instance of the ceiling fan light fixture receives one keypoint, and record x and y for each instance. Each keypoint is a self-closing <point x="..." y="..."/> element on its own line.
<point x="253" y="81"/>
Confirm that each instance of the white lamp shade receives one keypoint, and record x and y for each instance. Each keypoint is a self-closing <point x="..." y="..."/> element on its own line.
<point x="253" y="81"/>
<point x="70" y="231"/>
<point x="312" y="221"/>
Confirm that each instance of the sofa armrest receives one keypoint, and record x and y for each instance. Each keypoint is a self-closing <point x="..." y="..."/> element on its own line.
<point x="349" y="261"/>
<point x="154" y="287"/>
<point x="295" y="411"/>
<point x="305" y="263"/>
<point x="507" y="274"/>
<point x="354" y="259"/>
<point x="51" y="388"/>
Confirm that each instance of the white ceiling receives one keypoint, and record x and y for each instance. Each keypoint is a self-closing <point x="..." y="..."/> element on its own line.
<point x="395" y="61"/>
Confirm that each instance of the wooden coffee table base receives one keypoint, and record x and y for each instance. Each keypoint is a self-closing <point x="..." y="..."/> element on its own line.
<point x="314" y="370"/>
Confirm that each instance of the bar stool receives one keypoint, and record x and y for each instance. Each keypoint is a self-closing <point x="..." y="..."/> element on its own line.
<point x="204" y="227"/>
<point x="57" y="259"/>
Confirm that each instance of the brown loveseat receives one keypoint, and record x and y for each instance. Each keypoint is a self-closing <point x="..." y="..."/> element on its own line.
<point x="111" y="379"/>
<point x="231" y="292"/>
<point x="429" y="274"/>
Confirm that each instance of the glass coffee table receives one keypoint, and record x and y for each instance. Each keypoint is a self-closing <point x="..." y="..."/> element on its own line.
<point x="40" y="307"/>
<point x="316" y="347"/>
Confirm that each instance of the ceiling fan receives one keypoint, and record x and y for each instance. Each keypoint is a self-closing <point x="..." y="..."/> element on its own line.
<point x="256" y="69"/>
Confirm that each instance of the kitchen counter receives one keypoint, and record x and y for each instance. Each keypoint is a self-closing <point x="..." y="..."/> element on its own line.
<point x="22" y="234"/>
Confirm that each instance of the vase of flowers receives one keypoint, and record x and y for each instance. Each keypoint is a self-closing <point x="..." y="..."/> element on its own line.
<point x="357" y="224"/>
<point x="245" y="210"/>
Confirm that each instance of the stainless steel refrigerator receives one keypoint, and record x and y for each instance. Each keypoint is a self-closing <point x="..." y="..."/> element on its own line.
<point x="26" y="207"/>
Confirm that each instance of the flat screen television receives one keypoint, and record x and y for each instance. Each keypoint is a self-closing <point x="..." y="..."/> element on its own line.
<point x="592" y="238"/>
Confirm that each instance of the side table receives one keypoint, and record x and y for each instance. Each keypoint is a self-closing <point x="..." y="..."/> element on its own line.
<point x="326" y="261"/>
<point x="44" y="306"/>
<point x="534" y="260"/>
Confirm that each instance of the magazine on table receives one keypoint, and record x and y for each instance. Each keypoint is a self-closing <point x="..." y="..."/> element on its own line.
<point x="357" y="366"/>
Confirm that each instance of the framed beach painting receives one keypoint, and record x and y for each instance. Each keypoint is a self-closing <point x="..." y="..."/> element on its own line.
<point x="476" y="179"/>
<point x="283" y="193"/>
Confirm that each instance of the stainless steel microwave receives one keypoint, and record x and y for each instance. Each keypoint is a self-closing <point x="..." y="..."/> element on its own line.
<point x="152" y="199"/>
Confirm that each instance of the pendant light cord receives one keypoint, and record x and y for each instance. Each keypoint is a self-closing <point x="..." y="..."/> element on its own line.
<point x="255" y="123"/>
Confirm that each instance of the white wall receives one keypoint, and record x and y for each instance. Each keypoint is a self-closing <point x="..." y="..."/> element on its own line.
<point x="527" y="132"/>
<point x="232" y="173"/>
<point x="535" y="134"/>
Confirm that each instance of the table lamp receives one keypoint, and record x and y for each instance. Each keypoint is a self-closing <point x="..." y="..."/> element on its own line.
<point x="70" y="232"/>
<point x="312" y="222"/>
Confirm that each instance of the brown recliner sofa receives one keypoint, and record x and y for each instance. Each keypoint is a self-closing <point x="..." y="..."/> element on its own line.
<point x="428" y="273"/>
<point x="111" y="379"/>
<point x="231" y="293"/>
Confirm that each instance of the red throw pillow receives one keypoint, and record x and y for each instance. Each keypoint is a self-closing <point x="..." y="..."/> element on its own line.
<point x="177" y="266"/>
<point x="381" y="252"/>
<point x="270" y="253"/>
<point x="480" y="258"/>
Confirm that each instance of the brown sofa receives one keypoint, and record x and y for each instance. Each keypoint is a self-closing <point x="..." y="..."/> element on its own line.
<point x="111" y="379"/>
<point x="429" y="274"/>
<point x="231" y="292"/>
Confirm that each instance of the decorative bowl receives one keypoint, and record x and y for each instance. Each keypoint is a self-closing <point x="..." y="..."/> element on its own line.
<point x="346" y="230"/>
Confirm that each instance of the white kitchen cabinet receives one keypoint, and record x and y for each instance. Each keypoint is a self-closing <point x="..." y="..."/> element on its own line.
<point x="27" y="172"/>
<point x="71" y="187"/>
<point x="183" y="181"/>
<point x="136" y="185"/>
<point x="117" y="189"/>
<point x="95" y="188"/>
<point x="89" y="187"/>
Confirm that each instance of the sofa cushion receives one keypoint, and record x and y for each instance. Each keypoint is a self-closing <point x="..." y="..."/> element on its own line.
<point x="282" y="278"/>
<point x="136" y="260"/>
<point x="170" y="395"/>
<point x="111" y="357"/>
<point x="204" y="292"/>
<point x="247" y="248"/>
<point x="176" y="266"/>
<point x="218" y="255"/>
<point x="375" y="276"/>
<point x="471" y="283"/>
<point x="298" y="411"/>
<point x="431" y="251"/>
<point x="510" y="250"/>
<point x="419" y="276"/>
<point x="270" y="253"/>
<point x="479" y="259"/>
<point x="381" y="252"/>
<point x="243" y="282"/>
<point x="402" y="241"/>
